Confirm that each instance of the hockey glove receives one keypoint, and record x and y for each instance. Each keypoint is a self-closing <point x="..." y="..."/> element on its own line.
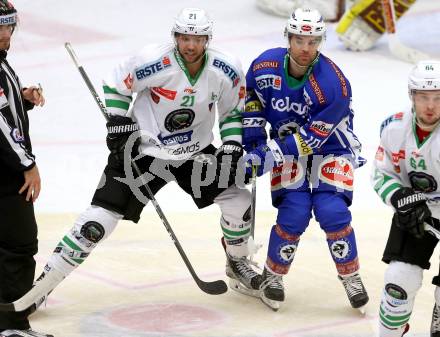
<point x="254" y="133"/>
<point x="411" y="211"/>
<point x="119" y="129"/>
<point x="267" y="156"/>
<point x="228" y="156"/>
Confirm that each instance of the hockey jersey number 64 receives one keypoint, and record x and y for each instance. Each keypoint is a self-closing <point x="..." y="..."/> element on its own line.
<point x="401" y="160"/>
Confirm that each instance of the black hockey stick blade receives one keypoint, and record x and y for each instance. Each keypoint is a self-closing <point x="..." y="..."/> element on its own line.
<point x="213" y="288"/>
<point x="10" y="307"/>
<point x="7" y="307"/>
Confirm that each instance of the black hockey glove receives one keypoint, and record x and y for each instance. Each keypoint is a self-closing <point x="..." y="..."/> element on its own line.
<point x="411" y="211"/>
<point x="228" y="156"/>
<point x="119" y="129"/>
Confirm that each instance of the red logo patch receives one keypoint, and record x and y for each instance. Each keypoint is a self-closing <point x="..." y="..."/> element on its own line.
<point x="337" y="172"/>
<point x="242" y="92"/>
<point x="306" y="28"/>
<point x="169" y="94"/>
<point x="156" y="98"/>
<point x="189" y="91"/>
<point x="129" y="82"/>
<point x="285" y="175"/>
<point x="395" y="157"/>
<point x="166" y="61"/>
<point x="380" y="153"/>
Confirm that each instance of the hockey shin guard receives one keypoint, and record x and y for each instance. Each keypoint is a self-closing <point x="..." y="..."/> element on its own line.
<point x="402" y="281"/>
<point x="342" y="246"/>
<point x="281" y="250"/>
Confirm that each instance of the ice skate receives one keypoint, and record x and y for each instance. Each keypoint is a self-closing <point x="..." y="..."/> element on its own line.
<point x="435" y="324"/>
<point x="272" y="290"/>
<point x="355" y="290"/>
<point x="23" y="333"/>
<point x="242" y="277"/>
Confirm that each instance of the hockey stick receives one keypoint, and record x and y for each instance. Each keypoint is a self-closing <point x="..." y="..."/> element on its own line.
<point x="396" y="47"/>
<point x="432" y="230"/>
<point x="212" y="288"/>
<point x="254" y="199"/>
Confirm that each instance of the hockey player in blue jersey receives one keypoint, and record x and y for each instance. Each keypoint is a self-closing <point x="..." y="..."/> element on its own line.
<point x="311" y="154"/>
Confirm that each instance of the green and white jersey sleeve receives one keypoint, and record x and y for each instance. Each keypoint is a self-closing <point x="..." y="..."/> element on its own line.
<point x="176" y="111"/>
<point x="231" y="101"/>
<point x="401" y="160"/>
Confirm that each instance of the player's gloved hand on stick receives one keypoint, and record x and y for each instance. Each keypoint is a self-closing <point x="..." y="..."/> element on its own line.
<point x="411" y="211"/>
<point x="228" y="156"/>
<point x="119" y="129"/>
<point x="269" y="155"/>
<point x="254" y="133"/>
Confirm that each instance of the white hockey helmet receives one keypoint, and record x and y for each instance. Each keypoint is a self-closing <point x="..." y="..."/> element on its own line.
<point x="424" y="76"/>
<point x="192" y="21"/>
<point x="305" y="21"/>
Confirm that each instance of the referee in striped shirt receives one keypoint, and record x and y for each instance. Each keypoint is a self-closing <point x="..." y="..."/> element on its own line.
<point x="19" y="184"/>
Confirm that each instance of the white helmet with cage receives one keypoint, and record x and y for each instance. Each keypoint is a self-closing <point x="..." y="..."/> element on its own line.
<point x="192" y="21"/>
<point x="424" y="76"/>
<point x="307" y="22"/>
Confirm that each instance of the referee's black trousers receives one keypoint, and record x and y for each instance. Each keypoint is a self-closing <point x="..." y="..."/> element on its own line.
<point x="18" y="245"/>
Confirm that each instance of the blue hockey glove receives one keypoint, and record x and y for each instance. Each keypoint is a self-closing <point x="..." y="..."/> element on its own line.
<point x="254" y="133"/>
<point x="265" y="157"/>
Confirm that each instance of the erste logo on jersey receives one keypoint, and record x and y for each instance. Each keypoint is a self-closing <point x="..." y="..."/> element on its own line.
<point x="152" y="68"/>
<point x="396" y="117"/>
<point x="321" y="128"/>
<point x="228" y="70"/>
<point x="268" y="81"/>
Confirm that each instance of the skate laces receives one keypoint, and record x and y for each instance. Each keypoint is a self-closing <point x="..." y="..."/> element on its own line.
<point x="272" y="281"/>
<point x="352" y="284"/>
<point x="435" y="324"/>
<point x="244" y="268"/>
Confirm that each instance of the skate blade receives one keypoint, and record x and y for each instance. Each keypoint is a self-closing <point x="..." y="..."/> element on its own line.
<point x="362" y="310"/>
<point x="274" y="305"/>
<point x="239" y="287"/>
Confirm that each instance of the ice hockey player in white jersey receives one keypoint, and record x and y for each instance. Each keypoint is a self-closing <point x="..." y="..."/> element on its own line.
<point x="406" y="176"/>
<point x="176" y="90"/>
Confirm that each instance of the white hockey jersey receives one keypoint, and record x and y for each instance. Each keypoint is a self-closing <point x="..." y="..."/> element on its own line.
<point x="401" y="160"/>
<point x="176" y="112"/>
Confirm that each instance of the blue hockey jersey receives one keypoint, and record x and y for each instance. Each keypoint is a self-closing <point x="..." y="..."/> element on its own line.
<point x="316" y="109"/>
